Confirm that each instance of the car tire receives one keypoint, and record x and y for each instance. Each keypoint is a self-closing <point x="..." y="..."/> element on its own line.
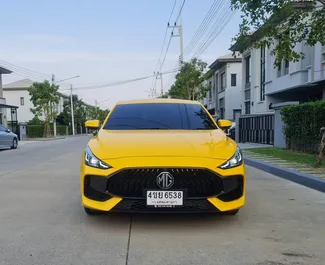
<point x="233" y="212"/>
<point x="14" y="144"/>
<point x="91" y="211"/>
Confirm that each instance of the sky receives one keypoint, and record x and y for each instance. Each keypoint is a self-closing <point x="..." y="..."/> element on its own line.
<point x="104" y="41"/>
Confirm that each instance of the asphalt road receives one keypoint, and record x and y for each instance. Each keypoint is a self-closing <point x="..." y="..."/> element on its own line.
<point x="42" y="221"/>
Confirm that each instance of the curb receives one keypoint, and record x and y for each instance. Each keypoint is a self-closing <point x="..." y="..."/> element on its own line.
<point x="43" y="139"/>
<point x="306" y="180"/>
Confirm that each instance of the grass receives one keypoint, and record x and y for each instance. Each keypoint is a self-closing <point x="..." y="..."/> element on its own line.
<point x="287" y="155"/>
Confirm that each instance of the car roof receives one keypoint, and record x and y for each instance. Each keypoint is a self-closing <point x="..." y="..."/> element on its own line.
<point x="157" y="100"/>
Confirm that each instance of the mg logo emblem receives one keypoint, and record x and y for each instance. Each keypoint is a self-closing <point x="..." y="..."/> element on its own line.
<point x="165" y="180"/>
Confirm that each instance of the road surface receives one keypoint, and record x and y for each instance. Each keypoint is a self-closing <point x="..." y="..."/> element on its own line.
<point x="42" y="221"/>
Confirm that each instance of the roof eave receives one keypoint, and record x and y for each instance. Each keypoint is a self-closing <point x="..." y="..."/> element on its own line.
<point x="5" y="70"/>
<point x="217" y="63"/>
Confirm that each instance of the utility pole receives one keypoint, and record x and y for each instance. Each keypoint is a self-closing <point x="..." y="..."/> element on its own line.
<point x="54" y="119"/>
<point x="72" y="112"/>
<point x="180" y="35"/>
<point x="161" y="83"/>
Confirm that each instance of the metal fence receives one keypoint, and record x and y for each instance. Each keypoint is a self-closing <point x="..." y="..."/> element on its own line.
<point x="257" y="129"/>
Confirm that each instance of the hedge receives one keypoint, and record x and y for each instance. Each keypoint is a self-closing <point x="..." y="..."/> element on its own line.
<point x="37" y="131"/>
<point x="302" y="125"/>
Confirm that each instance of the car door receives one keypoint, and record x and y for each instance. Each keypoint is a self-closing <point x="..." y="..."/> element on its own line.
<point x="7" y="137"/>
<point x="2" y="136"/>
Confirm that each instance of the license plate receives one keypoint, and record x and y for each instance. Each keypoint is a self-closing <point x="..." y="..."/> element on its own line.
<point x="164" y="198"/>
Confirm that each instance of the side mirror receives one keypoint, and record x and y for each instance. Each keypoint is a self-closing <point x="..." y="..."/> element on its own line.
<point x="224" y="124"/>
<point x="92" y="124"/>
<point x="7" y="131"/>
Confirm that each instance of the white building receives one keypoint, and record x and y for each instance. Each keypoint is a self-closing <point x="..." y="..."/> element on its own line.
<point x="4" y="106"/>
<point x="224" y="97"/>
<point x="264" y="85"/>
<point x="16" y="93"/>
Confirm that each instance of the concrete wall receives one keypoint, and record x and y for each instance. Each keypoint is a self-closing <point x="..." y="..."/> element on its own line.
<point x="233" y="98"/>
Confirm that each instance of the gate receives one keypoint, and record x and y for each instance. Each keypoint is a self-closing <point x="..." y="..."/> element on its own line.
<point x="257" y="129"/>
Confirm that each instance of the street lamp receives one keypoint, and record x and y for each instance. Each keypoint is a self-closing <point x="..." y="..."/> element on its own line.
<point x="72" y="112"/>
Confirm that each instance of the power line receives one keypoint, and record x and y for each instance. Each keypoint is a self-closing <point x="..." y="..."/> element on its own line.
<point x="216" y="29"/>
<point x="211" y="14"/>
<point x="121" y="82"/>
<point x="23" y="70"/>
<point x="163" y="61"/>
<point x="180" y="11"/>
<point x="162" y="48"/>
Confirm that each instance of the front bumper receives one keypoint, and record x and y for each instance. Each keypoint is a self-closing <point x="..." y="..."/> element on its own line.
<point x="122" y="191"/>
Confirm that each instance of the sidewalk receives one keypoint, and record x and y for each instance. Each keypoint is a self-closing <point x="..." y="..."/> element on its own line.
<point x="306" y="169"/>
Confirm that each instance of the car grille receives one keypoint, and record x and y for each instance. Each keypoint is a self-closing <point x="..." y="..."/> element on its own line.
<point x="139" y="206"/>
<point x="130" y="183"/>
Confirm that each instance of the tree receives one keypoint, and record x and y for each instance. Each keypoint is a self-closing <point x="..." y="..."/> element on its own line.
<point x="43" y="96"/>
<point x="281" y="25"/>
<point x="95" y="113"/>
<point x="79" y="111"/>
<point x="189" y="81"/>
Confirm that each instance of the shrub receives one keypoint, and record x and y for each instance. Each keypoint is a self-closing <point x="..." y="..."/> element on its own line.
<point x="302" y="125"/>
<point x="37" y="131"/>
<point x="35" y="121"/>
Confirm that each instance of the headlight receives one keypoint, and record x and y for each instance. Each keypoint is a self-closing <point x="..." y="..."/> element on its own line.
<point x="235" y="161"/>
<point x="92" y="161"/>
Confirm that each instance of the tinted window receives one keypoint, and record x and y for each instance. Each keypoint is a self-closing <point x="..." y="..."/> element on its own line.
<point x="158" y="116"/>
<point x="2" y="129"/>
<point x="198" y="118"/>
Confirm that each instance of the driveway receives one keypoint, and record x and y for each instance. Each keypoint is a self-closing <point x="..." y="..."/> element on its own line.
<point x="42" y="221"/>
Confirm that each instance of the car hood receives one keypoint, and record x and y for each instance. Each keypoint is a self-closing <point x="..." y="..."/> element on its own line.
<point x="158" y="143"/>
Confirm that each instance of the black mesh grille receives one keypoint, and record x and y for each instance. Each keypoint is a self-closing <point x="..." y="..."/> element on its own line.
<point x="130" y="183"/>
<point x="93" y="188"/>
<point x="139" y="206"/>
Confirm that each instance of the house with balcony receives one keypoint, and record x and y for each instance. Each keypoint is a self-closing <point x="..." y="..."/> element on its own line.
<point x="264" y="85"/>
<point x="17" y="94"/>
<point x="223" y="98"/>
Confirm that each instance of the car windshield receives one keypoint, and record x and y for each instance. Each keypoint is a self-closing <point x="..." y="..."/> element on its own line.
<point x="159" y="116"/>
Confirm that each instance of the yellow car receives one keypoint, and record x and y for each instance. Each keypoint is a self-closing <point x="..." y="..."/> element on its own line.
<point x="161" y="155"/>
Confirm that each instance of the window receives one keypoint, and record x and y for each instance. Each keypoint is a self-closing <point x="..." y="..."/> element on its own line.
<point x="2" y="129"/>
<point x="247" y="69"/>
<point x="22" y="101"/>
<point x="222" y="108"/>
<point x="248" y="107"/>
<point x="157" y="116"/>
<point x="233" y="79"/>
<point x="217" y="82"/>
<point x="262" y="78"/>
<point x="223" y="81"/>
<point x="210" y="90"/>
<point x="234" y="114"/>
<point x="286" y="67"/>
<point x="280" y="69"/>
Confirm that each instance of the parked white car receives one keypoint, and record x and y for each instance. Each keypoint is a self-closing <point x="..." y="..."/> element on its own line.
<point x="8" y="139"/>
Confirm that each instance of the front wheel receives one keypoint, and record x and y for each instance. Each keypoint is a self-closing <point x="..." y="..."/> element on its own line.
<point x="233" y="212"/>
<point x="91" y="211"/>
<point x="14" y="143"/>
